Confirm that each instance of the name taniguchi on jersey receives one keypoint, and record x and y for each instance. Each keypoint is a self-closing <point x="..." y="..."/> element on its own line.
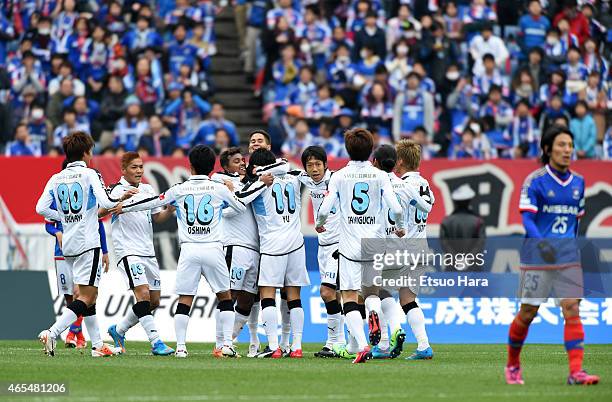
<point x="133" y="239"/>
<point x="557" y="205"/>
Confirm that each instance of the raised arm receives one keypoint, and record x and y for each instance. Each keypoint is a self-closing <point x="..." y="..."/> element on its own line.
<point x="251" y="191"/>
<point x="151" y="202"/>
<point x="231" y="200"/>
<point x="99" y="190"/>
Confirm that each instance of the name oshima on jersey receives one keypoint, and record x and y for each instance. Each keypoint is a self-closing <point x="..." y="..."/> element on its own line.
<point x="198" y="230"/>
<point x="361" y="220"/>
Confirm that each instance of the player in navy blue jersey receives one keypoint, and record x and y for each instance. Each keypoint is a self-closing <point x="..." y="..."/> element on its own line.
<point x="551" y="204"/>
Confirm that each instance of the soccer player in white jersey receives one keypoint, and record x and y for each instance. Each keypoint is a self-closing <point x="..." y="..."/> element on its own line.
<point x="241" y="245"/>
<point x="282" y="257"/>
<point x="359" y="189"/>
<point x="416" y="199"/>
<point x="198" y="202"/>
<point x="316" y="179"/>
<point x="133" y="244"/>
<point x="77" y="192"/>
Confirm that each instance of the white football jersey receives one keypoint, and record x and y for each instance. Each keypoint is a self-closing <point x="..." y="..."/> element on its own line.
<point x="133" y="232"/>
<point x="238" y="229"/>
<point x="359" y="188"/>
<point x="77" y="191"/>
<point x="414" y="204"/>
<point x="415" y="211"/>
<point x="277" y="212"/>
<point x="198" y="203"/>
<point x="317" y="194"/>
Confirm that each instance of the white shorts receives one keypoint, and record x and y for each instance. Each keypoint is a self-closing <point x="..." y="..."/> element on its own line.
<point x="537" y="286"/>
<point x="349" y="272"/>
<point x="198" y="259"/>
<point x="283" y="270"/>
<point x="86" y="267"/>
<point x="243" y="264"/>
<point x="328" y="265"/>
<point x="65" y="285"/>
<point x="138" y="271"/>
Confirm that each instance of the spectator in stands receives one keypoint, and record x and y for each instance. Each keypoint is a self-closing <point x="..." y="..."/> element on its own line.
<point x="317" y="33"/>
<point x="21" y="146"/>
<point x="256" y="21"/>
<point x="130" y="128"/>
<point x="399" y="64"/>
<point x="523" y="132"/>
<point x="533" y="28"/>
<point x="113" y="103"/>
<point x="65" y="72"/>
<point x="327" y="140"/>
<point x="487" y="43"/>
<point x="148" y="86"/>
<point x="206" y="133"/>
<point x="578" y="24"/>
<point x="180" y="51"/>
<point x="468" y="147"/>
<point x="437" y="52"/>
<point x="345" y="122"/>
<point x="366" y="67"/>
<point x="305" y="89"/>
<point x="554" y="49"/>
<point x="141" y="37"/>
<point x="597" y="30"/>
<point x="7" y="34"/>
<point x="584" y="130"/>
<point x="157" y="139"/>
<point x="378" y="109"/>
<point x="323" y="105"/>
<point x="56" y="103"/>
<point x="535" y="65"/>
<point x="184" y="115"/>
<point x="497" y="114"/>
<point x="412" y="108"/>
<point x="576" y="73"/>
<point x="404" y="26"/>
<point x="341" y="71"/>
<point x="40" y="129"/>
<point x="524" y="88"/>
<point x="567" y="38"/>
<point x="293" y="147"/>
<point x="556" y="86"/>
<point x="372" y="36"/>
<point x="285" y="73"/>
<point x="421" y="137"/>
<point x="29" y="73"/>
<point x="553" y="110"/>
<point x="222" y="141"/>
<point x="591" y="58"/>
<point x="69" y="126"/>
<point x="476" y="17"/>
<point x="489" y="76"/>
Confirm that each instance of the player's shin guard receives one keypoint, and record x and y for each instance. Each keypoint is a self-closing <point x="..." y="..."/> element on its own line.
<point x="241" y="317"/>
<point x="270" y="321"/>
<point x="181" y="319"/>
<point x="416" y="320"/>
<point x="75" y="309"/>
<point x="127" y="322"/>
<point x="142" y="309"/>
<point x="286" y="322"/>
<point x="334" y="328"/>
<point x="226" y="317"/>
<point x="573" y="335"/>
<point x="254" y="322"/>
<point x="91" y="323"/>
<point x="516" y="337"/>
<point x="296" y="313"/>
<point x="354" y="322"/>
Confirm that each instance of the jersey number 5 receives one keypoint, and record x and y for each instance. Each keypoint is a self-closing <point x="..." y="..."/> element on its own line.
<point x="361" y="200"/>
<point x="204" y="213"/>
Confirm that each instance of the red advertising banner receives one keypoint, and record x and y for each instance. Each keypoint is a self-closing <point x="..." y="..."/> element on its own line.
<point x="496" y="183"/>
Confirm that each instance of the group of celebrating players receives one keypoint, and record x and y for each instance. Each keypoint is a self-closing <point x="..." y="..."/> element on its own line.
<point x="240" y="228"/>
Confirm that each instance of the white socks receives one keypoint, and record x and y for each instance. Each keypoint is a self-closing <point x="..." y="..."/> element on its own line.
<point x="270" y="323"/>
<point x="384" y="332"/>
<point x="239" y="321"/>
<point x="297" y="325"/>
<point x="226" y="319"/>
<point x="218" y="330"/>
<point x="334" y="329"/>
<point x="392" y="312"/>
<point x="355" y="327"/>
<point x="127" y="322"/>
<point x="148" y="324"/>
<point x="180" y="327"/>
<point x="416" y="320"/>
<point x="286" y="324"/>
<point x="63" y="322"/>
<point x="372" y="303"/>
<point x="253" y="323"/>
<point x="91" y="323"/>
<point x="341" y="336"/>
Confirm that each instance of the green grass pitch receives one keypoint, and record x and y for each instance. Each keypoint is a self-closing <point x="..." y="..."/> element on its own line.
<point x="457" y="373"/>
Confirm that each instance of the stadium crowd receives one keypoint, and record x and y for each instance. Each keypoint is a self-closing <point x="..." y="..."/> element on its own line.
<point x="465" y="78"/>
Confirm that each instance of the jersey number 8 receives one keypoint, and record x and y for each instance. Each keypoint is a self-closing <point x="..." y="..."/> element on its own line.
<point x="70" y="197"/>
<point x="204" y="213"/>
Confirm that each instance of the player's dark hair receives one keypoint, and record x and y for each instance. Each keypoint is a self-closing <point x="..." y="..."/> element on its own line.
<point x="127" y="158"/>
<point x="262" y="132"/>
<point x="386" y="156"/>
<point x="76" y="145"/>
<point x="261" y="157"/>
<point x="314" y="152"/>
<point x="227" y="154"/>
<point x="202" y="159"/>
<point x="359" y="143"/>
<point x="548" y="139"/>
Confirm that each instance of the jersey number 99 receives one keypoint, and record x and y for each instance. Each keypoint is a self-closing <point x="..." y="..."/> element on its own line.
<point x="70" y="197"/>
<point x="204" y="213"/>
